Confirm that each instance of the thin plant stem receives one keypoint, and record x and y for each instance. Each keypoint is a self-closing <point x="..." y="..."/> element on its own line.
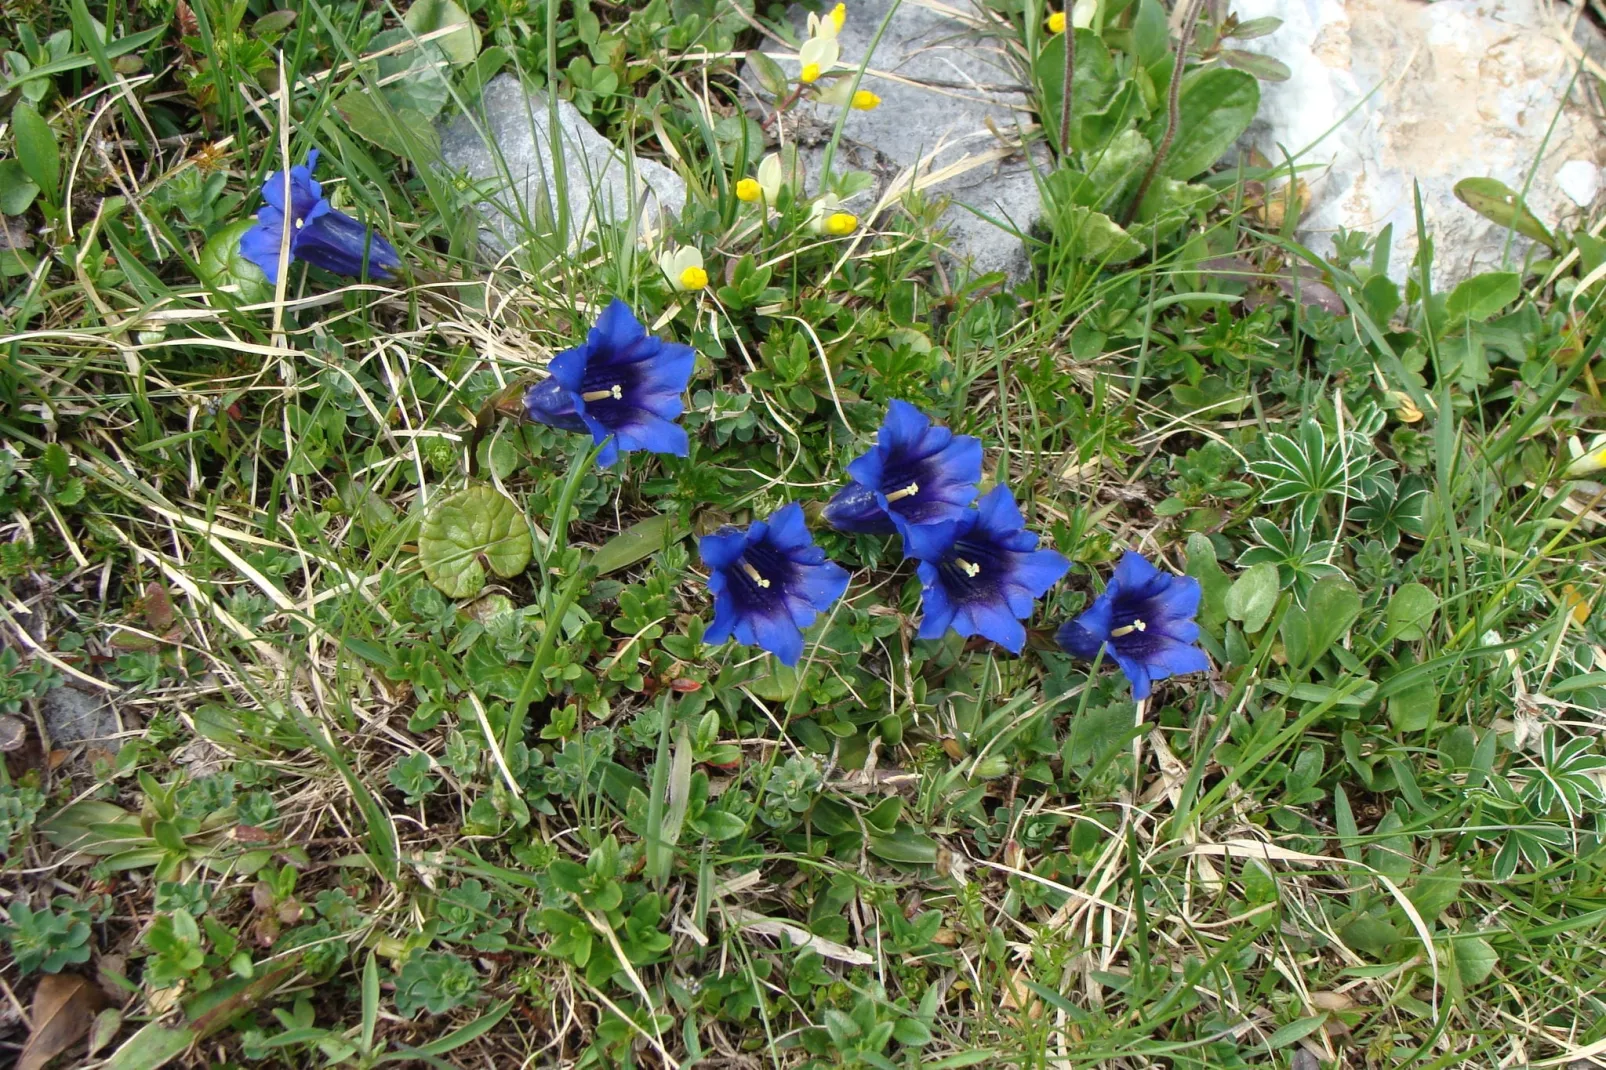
<point x="1067" y="96"/>
<point x="1184" y="40"/>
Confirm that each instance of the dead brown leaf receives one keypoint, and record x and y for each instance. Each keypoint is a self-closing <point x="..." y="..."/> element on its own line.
<point x="158" y="606"/>
<point x="64" y="1007"/>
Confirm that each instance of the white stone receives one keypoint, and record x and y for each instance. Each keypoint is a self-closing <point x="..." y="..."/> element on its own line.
<point x="947" y="92"/>
<point x="507" y="139"/>
<point x="1387" y="92"/>
<point x="1580" y="181"/>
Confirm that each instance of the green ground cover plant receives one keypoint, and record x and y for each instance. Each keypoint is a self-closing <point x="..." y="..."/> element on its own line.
<point x="461" y="719"/>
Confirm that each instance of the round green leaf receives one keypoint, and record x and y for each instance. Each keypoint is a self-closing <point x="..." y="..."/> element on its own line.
<point x="222" y="267"/>
<point x="17" y="190"/>
<point x="477" y="528"/>
<point x="427" y="16"/>
<point x="1410" y="612"/>
<point x="1253" y="595"/>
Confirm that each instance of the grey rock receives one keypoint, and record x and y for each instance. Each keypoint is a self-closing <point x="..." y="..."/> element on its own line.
<point x="949" y="92"/>
<point x="507" y="143"/>
<point x="1387" y="93"/>
<point x="72" y="716"/>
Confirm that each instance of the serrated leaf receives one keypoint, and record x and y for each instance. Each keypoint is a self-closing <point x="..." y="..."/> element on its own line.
<point x="427" y="16"/>
<point x="463" y="535"/>
<point x="1494" y="200"/>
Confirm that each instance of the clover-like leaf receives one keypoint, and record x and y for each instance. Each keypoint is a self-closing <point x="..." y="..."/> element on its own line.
<point x="463" y="535"/>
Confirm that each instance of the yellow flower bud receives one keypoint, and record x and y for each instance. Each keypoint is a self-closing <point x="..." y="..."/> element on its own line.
<point x="693" y="278"/>
<point x="864" y="100"/>
<point x="1056" y="22"/>
<point x="840" y="223"/>
<point x="811" y="73"/>
<point x="839" y="15"/>
<point x="749" y="190"/>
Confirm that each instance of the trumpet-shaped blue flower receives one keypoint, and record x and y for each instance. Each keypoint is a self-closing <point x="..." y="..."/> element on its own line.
<point x="623" y="385"/>
<point x="769" y="582"/>
<point x="981" y="574"/>
<point x="916" y="473"/>
<point x="1145" y="619"/>
<point x="321" y="236"/>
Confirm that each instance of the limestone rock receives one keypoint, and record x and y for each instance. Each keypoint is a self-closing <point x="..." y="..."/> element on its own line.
<point x="72" y="716"/>
<point x="1385" y="92"/>
<point x="949" y="92"/>
<point x="508" y="140"/>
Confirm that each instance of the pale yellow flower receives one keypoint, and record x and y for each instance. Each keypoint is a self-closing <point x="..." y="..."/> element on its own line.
<point x="817" y="56"/>
<point x="684" y="268"/>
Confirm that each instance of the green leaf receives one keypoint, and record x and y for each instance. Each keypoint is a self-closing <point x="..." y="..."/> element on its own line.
<point x="1482" y="296"/>
<point x="906" y="845"/>
<point x="1415" y="708"/>
<point x="1436" y="890"/>
<point x="1096" y="238"/>
<point x="1410" y="612"/>
<point x="222" y="267"/>
<point x="37" y="150"/>
<point x="1093" y="83"/>
<point x="463" y="535"/>
<point x="771" y="78"/>
<point x="1371" y="935"/>
<point x="720" y="825"/>
<point x="1215" y="107"/>
<point x="1295" y="1031"/>
<point x="153" y="1046"/>
<point x="637" y="543"/>
<point x="1475" y="960"/>
<point x="1332" y="607"/>
<point x="1264" y="67"/>
<point x="1253" y="596"/>
<point x="427" y="16"/>
<point x="1494" y="200"/>
<point x="17" y="190"/>
<point x="399" y="131"/>
<point x="1213" y="582"/>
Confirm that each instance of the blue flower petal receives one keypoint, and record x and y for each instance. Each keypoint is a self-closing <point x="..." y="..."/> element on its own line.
<point x="788" y="530"/>
<point x="1172" y="658"/>
<point x="854" y="509"/>
<point x="720" y="550"/>
<point x="336" y="242"/>
<point x="617" y="328"/>
<point x="933" y="542"/>
<point x="1084" y="635"/>
<point x="1039" y="570"/>
<point x="779" y="635"/>
<point x="1179" y="600"/>
<point x="548" y="403"/>
<point x="260" y="244"/>
<point x="1137" y="672"/>
<point x="719" y="629"/>
<point x="994" y="621"/>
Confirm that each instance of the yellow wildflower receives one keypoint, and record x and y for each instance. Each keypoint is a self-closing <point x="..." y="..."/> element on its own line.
<point x="864" y="100"/>
<point x="748" y="190"/>
<point x="1056" y="22"/>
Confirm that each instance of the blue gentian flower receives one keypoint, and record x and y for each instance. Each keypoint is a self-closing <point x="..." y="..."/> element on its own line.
<point x="980" y="574"/>
<point x="322" y="236"/>
<point x="622" y="385"/>
<point x="548" y="402"/>
<point x="769" y="582"/>
<point x="1145" y="619"/>
<point x="916" y="473"/>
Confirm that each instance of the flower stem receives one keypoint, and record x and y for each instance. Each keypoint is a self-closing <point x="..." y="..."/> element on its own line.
<point x="1189" y="20"/>
<point x="1067" y="97"/>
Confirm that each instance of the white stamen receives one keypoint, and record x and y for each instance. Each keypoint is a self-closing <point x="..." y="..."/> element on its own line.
<point x="300" y="223"/>
<point x="970" y="569"/>
<point x="616" y="392"/>
<point x="907" y="492"/>
<point x="753" y="572"/>
<point x="1135" y="626"/>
